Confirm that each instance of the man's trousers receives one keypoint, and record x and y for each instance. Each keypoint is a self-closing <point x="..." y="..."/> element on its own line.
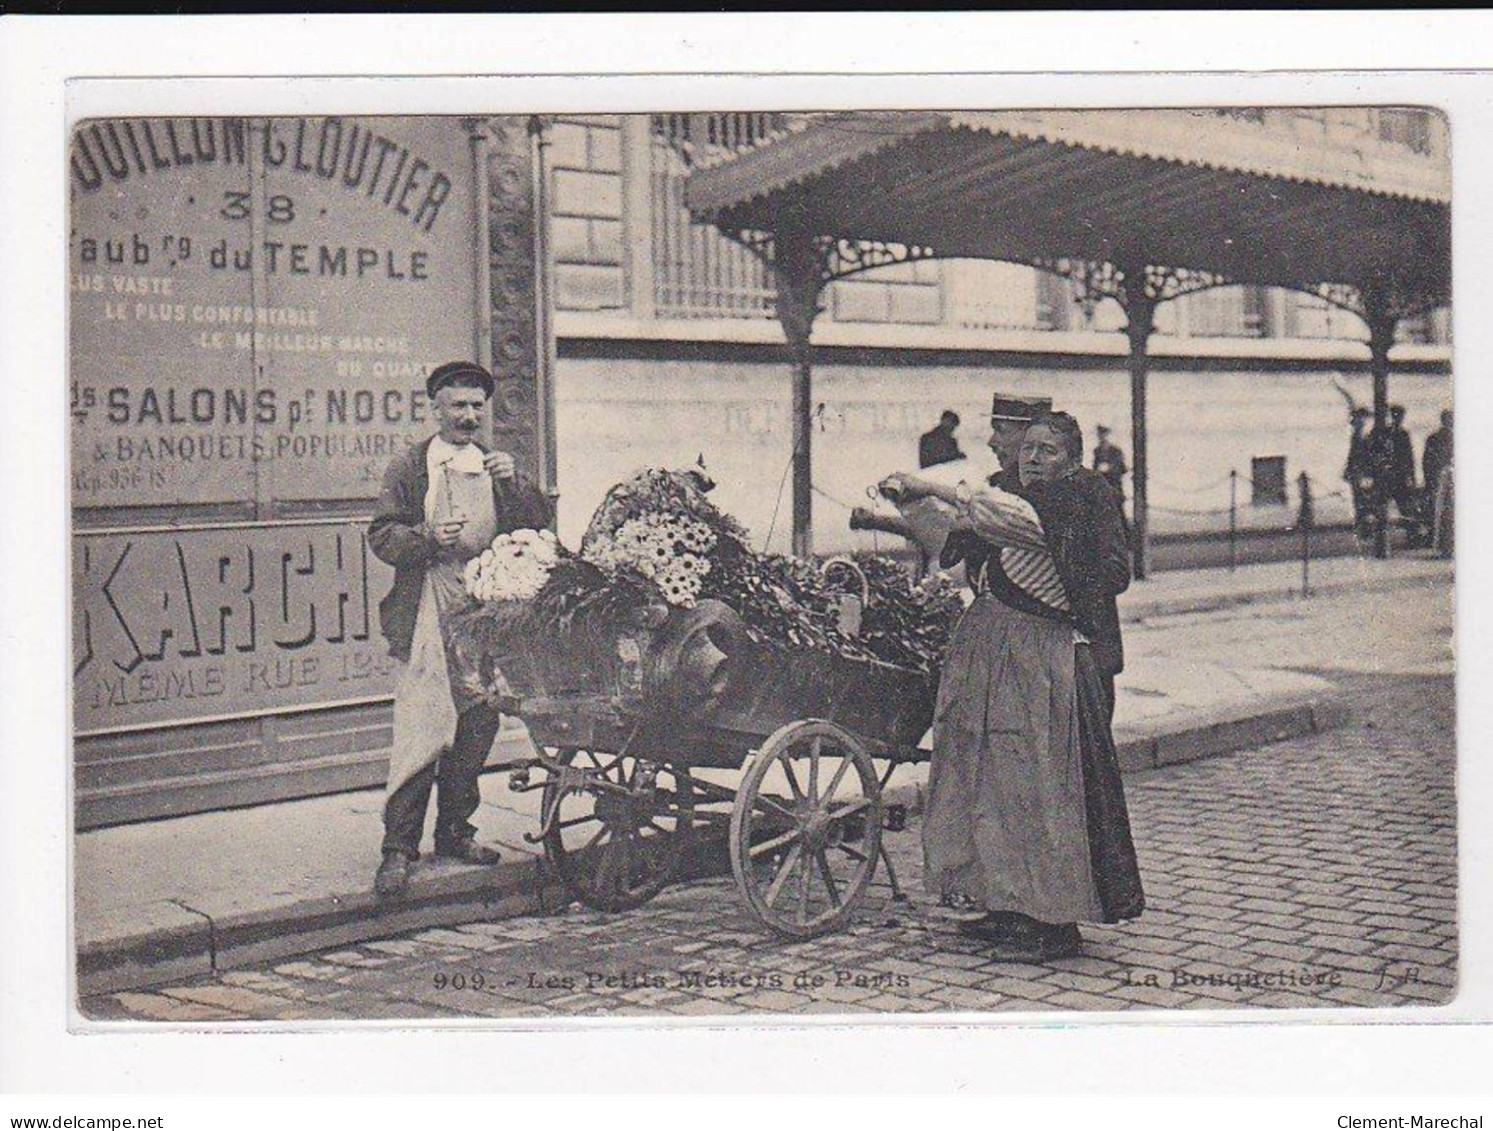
<point x="454" y="775"/>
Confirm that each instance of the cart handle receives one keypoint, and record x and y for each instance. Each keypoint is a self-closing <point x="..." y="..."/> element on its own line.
<point x="860" y="574"/>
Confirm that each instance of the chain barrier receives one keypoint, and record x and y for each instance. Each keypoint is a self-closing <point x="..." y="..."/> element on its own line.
<point x="1305" y="517"/>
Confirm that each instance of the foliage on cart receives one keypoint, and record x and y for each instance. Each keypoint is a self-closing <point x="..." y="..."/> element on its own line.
<point x="788" y="600"/>
<point x="738" y="642"/>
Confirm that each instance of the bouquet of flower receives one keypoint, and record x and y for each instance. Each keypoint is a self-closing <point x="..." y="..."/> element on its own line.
<point x="514" y="568"/>
<point x="651" y="527"/>
<point x="656" y="490"/>
<point x="669" y="549"/>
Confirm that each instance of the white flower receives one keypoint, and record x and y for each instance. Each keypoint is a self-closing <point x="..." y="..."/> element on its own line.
<point x="514" y="568"/>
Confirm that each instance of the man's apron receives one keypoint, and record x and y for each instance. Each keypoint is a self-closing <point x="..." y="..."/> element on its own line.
<point x="435" y="686"/>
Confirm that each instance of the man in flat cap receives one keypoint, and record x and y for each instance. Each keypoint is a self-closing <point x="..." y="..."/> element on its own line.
<point x="442" y="503"/>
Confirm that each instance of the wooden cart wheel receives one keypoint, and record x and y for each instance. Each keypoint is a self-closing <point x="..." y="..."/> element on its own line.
<point x="619" y="840"/>
<point x="806" y="828"/>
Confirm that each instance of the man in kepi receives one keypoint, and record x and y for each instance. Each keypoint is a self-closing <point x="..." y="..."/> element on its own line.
<point x="442" y="503"/>
<point x="1009" y="417"/>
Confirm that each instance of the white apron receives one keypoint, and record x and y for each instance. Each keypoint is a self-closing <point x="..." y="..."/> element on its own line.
<point x="425" y="693"/>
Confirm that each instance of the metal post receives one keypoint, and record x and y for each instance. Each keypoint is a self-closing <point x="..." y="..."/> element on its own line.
<point x="797" y="274"/>
<point x="1305" y="519"/>
<point x="1140" y="311"/>
<point x="1381" y="323"/>
<point x="1233" y="518"/>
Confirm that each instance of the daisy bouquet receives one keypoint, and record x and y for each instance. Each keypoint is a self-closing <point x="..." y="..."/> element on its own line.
<point x="670" y="549"/>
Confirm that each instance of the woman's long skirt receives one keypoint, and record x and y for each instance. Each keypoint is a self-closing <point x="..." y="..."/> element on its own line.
<point x="1006" y="820"/>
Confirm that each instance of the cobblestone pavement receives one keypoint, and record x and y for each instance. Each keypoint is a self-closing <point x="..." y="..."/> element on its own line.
<point x="1314" y="873"/>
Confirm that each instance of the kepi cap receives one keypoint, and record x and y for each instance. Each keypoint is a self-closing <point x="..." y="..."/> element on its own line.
<point x="467" y="373"/>
<point x="1007" y="406"/>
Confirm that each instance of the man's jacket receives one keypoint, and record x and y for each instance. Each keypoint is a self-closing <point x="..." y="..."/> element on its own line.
<point x="397" y="535"/>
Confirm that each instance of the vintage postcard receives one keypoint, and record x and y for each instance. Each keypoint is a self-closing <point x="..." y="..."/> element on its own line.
<point x="744" y="564"/>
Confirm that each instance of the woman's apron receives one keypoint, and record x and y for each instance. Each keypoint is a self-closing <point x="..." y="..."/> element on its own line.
<point x="1005" y="823"/>
<point x="435" y="686"/>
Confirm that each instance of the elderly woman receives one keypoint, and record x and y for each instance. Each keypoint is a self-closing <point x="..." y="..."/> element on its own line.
<point x="1026" y="814"/>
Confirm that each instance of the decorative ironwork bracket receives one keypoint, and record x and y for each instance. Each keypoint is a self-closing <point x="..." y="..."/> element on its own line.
<point x="841" y="257"/>
<point x="1097" y="280"/>
<point x="1383" y="300"/>
<point x="834" y="258"/>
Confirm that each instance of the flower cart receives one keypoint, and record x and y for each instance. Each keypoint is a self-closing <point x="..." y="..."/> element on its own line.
<point x="646" y="700"/>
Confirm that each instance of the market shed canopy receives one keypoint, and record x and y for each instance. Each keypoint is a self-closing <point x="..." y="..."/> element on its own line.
<point x="1252" y="201"/>
<point x="1142" y="206"/>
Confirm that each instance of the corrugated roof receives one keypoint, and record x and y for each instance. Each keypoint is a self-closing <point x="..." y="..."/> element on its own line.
<point x="1286" y="145"/>
<point x="1257" y="201"/>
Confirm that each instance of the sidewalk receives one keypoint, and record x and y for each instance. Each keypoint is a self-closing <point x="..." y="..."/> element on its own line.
<point x="1216" y="661"/>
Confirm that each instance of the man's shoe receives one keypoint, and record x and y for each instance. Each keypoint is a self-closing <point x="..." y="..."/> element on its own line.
<point x="393" y="876"/>
<point x="469" y="852"/>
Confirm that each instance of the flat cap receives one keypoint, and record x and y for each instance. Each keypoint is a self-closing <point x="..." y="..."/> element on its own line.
<point x="1007" y="406"/>
<point x="468" y="374"/>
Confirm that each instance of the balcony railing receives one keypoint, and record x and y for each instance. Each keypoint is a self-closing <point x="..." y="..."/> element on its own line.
<point x="697" y="272"/>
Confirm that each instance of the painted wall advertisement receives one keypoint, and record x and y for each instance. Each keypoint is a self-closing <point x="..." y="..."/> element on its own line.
<point x="255" y="304"/>
<point x="209" y="623"/>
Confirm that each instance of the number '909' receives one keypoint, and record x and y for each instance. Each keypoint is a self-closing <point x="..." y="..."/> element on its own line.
<point x="459" y="981"/>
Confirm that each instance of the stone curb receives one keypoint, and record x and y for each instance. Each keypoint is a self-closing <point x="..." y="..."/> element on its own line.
<point x="1223" y="733"/>
<point x="455" y="896"/>
<point x="1207" y="603"/>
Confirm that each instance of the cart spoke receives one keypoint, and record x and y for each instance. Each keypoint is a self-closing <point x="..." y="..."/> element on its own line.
<point x="828" y="876"/>
<point x="854" y="854"/>
<point x="625" y="869"/>
<point x="803" y="887"/>
<point x="592" y="843"/>
<point x="798" y="793"/>
<point x="834" y="782"/>
<point x="784" y="871"/>
<point x="815" y="746"/>
<point x="776" y="842"/>
<point x="574" y="821"/>
<point x="777" y="807"/>
<point x="605" y="876"/>
<point x="849" y="808"/>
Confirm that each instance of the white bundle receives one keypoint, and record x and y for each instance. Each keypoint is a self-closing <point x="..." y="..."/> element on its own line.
<point x="514" y="568"/>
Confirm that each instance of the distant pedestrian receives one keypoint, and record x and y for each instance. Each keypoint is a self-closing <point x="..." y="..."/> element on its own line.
<point x="1436" y="465"/>
<point x="1357" y="471"/>
<point x="1109" y="462"/>
<point x="938" y="445"/>
<point x="1392" y="460"/>
<point x="1437" y="456"/>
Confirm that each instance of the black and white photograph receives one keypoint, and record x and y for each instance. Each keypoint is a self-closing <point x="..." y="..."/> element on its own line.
<point x="760" y="564"/>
